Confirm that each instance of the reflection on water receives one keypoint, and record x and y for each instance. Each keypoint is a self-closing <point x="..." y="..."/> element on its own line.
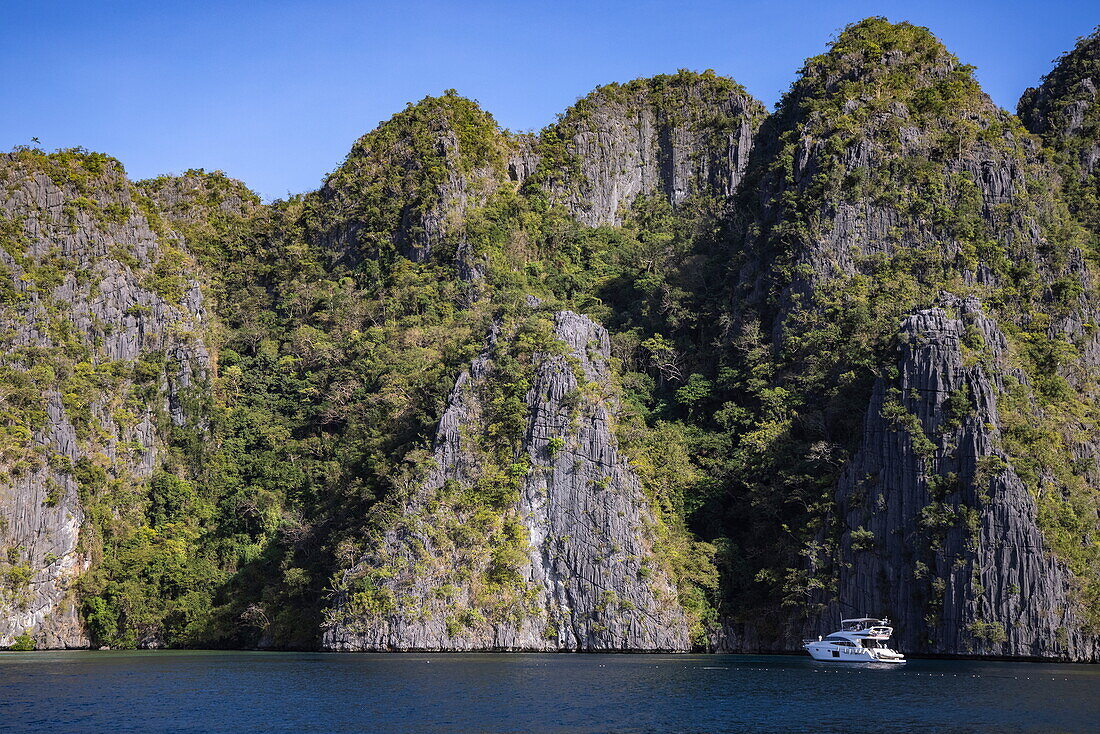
<point x="253" y="692"/>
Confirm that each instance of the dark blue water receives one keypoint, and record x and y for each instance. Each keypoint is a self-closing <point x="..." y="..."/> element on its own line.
<point x="261" y="692"/>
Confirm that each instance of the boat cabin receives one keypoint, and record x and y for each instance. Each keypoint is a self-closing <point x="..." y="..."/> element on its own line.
<point x="858" y="642"/>
<point x="867" y="625"/>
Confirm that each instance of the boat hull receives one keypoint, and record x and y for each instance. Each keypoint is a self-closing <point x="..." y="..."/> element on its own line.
<point x="830" y="654"/>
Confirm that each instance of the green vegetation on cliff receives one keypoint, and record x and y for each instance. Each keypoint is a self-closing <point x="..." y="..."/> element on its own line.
<point x="748" y="330"/>
<point x="1065" y="112"/>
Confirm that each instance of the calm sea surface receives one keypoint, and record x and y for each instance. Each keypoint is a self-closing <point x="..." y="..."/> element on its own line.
<point x="307" y="692"/>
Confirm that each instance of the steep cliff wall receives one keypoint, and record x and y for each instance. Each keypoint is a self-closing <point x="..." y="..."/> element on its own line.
<point x="855" y="349"/>
<point x="885" y="180"/>
<point x="1065" y="112"/>
<point x="940" y="532"/>
<point x="569" y="563"/>
<point x="101" y="329"/>
<point x="671" y="136"/>
<point x="887" y="144"/>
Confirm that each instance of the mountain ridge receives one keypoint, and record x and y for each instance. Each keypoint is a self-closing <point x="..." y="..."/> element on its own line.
<point x="843" y="351"/>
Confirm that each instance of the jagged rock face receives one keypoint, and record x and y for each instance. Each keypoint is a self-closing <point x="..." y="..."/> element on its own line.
<point x="586" y="573"/>
<point x="885" y="177"/>
<point x="670" y="136"/>
<point x="886" y="164"/>
<point x="1065" y="112"/>
<point x="940" y="533"/>
<point x="199" y="196"/>
<point x="41" y="521"/>
<point x="886" y="143"/>
<point x="408" y="184"/>
<point x="90" y="289"/>
<point x="1065" y="104"/>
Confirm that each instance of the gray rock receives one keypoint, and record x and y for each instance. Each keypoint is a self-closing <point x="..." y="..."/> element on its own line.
<point x="197" y="196"/>
<point x="106" y="299"/>
<point x="954" y="553"/>
<point x="40" y="520"/>
<point x="668" y="136"/>
<point x="589" y="580"/>
<point x="959" y="514"/>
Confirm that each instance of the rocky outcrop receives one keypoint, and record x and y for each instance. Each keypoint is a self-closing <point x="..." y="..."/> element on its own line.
<point x="935" y="528"/>
<point x="94" y="304"/>
<point x="584" y="576"/>
<point x="1066" y="104"/>
<point x="859" y="167"/>
<point x="885" y="177"/>
<point x="939" y="531"/>
<point x="41" y="529"/>
<point x="755" y="290"/>
<point x="409" y="184"/>
<point x="197" y="196"/>
<point x="671" y="136"/>
<point x="1064" y="110"/>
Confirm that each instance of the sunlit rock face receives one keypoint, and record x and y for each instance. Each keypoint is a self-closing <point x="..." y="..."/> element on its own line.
<point x="583" y="577"/>
<point x="80" y="309"/>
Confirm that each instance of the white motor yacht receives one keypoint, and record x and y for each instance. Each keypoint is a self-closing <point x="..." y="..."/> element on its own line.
<point x="858" y="641"/>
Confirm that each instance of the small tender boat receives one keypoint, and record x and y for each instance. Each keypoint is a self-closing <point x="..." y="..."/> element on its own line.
<point x="860" y="640"/>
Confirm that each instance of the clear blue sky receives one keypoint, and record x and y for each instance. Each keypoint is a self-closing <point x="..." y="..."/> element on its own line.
<point x="274" y="92"/>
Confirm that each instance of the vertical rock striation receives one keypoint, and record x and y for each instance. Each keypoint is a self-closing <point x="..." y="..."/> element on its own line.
<point x="584" y="574"/>
<point x="939" y="531"/>
<point x="869" y="318"/>
<point x="94" y="306"/>
<point x="673" y="136"/>
<point x="887" y="177"/>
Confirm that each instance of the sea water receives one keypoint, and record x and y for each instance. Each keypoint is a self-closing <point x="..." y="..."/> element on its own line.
<point x="317" y="692"/>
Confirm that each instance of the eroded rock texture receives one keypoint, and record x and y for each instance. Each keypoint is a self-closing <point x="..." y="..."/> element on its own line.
<point x="939" y="531"/>
<point x="870" y="318"/>
<point x="199" y="197"/>
<point x="408" y="184"/>
<point x="669" y="136"/>
<point x="861" y="182"/>
<point x="584" y="575"/>
<point x="90" y="289"/>
<point x="1065" y="112"/>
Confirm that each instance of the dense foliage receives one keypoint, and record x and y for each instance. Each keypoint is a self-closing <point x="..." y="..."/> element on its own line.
<point x="1065" y="112"/>
<point x="748" y="332"/>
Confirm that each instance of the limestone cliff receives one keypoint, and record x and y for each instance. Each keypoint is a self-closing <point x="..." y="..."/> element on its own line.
<point x="887" y="144"/>
<point x="885" y="179"/>
<point x="407" y="185"/>
<point x="855" y="350"/>
<point x="570" y="563"/>
<point x="1065" y="112"/>
<point x="198" y="197"/>
<point x="100" y="326"/>
<point x="672" y="136"/>
<point x="940" y="532"/>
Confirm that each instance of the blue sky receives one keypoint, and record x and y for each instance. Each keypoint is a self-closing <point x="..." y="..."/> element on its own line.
<point x="274" y="92"/>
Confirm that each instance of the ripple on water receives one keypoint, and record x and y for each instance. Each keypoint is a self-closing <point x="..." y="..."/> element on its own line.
<point x="314" y="692"/>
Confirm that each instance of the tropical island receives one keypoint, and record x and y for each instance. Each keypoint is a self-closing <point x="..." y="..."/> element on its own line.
<point x="675" y="373"/>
